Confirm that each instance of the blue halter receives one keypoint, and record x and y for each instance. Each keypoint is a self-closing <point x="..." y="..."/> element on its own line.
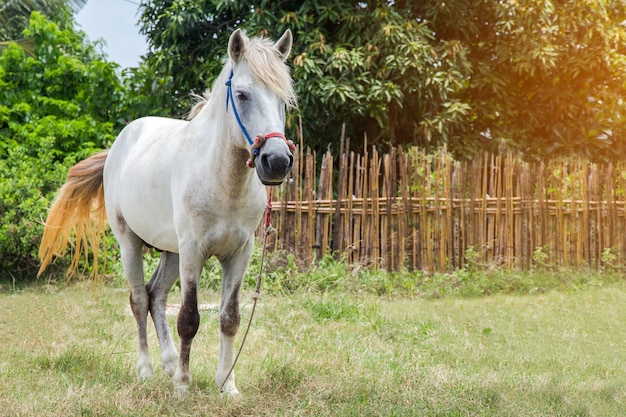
<point x="229" y="97"/>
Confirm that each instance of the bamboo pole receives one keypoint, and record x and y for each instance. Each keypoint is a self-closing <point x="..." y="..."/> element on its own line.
<point x="376" y="231"/>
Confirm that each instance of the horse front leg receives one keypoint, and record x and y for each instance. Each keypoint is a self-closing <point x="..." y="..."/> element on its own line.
<point x="233" y="270"/>
<point x="188" y="317"/>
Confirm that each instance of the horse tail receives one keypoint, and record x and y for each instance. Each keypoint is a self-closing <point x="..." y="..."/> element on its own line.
<point x="78" y="210"/>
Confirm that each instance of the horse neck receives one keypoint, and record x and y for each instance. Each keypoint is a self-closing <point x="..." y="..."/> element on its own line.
<point x="214" y="136"/>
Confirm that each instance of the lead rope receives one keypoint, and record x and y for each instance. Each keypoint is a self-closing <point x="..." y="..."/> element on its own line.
<point x="269" y="229"/>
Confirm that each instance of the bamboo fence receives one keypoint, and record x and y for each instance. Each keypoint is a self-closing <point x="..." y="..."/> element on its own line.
<point x="409" y="209"/>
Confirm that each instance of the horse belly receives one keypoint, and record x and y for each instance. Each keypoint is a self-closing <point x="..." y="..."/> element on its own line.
<point x="151" y="224"/>
<point x="147" y="209"/>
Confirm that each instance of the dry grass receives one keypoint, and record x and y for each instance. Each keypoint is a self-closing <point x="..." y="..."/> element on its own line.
<point x="66" y="352"/>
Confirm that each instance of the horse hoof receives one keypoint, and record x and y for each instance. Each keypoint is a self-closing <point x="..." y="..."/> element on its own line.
<point x="169" y="369"/>
<point x="145" y="371"/>
<point x="170" y="364"/>
<point x="181" y="382"/>
<point x="230" y="390"/>
<point x="232" y="394"/>
<point x="181" y="389"/>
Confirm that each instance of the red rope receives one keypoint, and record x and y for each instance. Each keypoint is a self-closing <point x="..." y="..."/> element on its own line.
<point x="268" y="211"/>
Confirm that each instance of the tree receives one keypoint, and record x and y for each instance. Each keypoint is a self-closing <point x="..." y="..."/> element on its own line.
<point x="359" y="63"/>
<point x="544" y="76"/>
<point x="548" y="77"/>
<point x="14" y="14"/>
<point x="55" y="109"/>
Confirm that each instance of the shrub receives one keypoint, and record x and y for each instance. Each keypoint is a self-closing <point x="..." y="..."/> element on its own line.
<point x="56" y="109"/>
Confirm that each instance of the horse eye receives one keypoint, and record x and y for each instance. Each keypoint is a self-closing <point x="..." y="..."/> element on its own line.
<point x="241" y="96"/>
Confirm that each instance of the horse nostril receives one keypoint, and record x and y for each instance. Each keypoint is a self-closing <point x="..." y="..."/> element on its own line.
<point x="265" y="163"/>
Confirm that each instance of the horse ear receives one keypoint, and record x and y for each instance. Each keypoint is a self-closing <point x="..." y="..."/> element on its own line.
<point x="283" y="45"/>
<point x="236" y="45"/>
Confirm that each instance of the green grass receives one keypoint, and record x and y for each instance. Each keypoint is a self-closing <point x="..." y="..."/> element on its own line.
<point x="68" y="351"/>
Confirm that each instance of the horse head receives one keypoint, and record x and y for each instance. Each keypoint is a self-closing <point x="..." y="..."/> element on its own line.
<point x="259" y="89"/>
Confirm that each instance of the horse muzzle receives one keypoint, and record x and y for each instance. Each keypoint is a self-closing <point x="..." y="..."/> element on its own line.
<point x="274" y="160"/>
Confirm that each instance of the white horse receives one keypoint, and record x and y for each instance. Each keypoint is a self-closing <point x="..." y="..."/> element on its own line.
<point x="184" y="188"/>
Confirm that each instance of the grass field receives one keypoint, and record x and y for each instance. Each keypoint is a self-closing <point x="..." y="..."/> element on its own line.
<point x="67" y="351"/>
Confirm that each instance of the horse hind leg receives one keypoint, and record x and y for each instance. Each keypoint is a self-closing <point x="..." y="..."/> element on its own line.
<point x="132" y="261"/>
<point x="158" y="289"/>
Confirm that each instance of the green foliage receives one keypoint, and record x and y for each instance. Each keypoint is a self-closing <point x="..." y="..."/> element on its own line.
<point x="548" y="77"/>
<point x="147" y="93"/>
<point x="609" y="259"/>
<point x="333" y="278"/>
<point x="15" y="15"/>
<point x="541" y="257"/>
<point x="363" y="64"/>
<point x="544" y="77"/>
<point x="381" y="72"/>
<point x="55" y="109"/>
